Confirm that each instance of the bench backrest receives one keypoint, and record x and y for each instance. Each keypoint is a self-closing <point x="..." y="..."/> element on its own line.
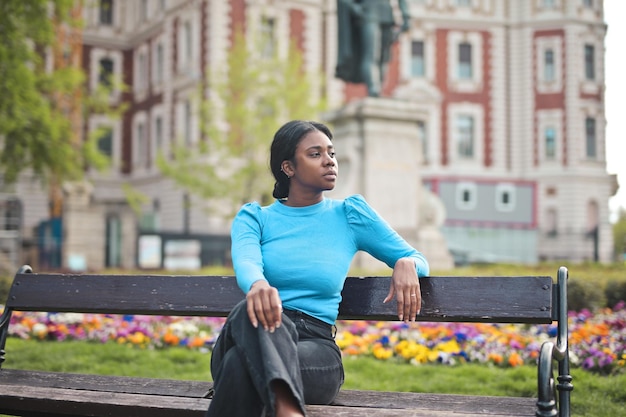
<point x="526" y="299"/>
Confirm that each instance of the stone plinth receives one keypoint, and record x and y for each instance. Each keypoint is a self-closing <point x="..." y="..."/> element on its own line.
<point x="379" y="155"/>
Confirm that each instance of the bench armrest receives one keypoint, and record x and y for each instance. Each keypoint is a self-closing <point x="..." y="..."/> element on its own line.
<point x="547" y="405"/>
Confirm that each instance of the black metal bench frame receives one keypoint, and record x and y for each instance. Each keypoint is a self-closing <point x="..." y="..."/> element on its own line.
<point x="529" y="299"/>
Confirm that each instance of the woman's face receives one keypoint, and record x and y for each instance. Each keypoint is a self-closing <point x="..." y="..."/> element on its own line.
<point x="315" y="168"/>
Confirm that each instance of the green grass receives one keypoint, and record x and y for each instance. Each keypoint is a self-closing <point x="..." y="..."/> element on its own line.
<point x="593" y="396"/>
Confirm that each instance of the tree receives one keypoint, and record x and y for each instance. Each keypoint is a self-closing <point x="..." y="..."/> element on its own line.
<point x="42" y="96"/>
<point x="246" y="103"/>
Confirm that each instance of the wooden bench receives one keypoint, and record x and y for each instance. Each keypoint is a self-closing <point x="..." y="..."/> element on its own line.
<point x="530" y="299"/>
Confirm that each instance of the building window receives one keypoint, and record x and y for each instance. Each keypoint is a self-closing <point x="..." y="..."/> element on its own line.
<point x="106" y="12"/>
<point x="548" y="65"/>
<point x="550" y="141"/>
<point x="113" y="245"/>
<point x="549" y="4"/>
<point x="141" y="146"/>
<point x="465" y="136"/>
<point x="417" y="59"/>
<point x="268" y="46"/>
<point x="143" y="13"/>
<point x="464" y="3"/>
<point x="105" y="142"/>
<point x="590" y="73"/>
<point x="590" y="133"/>
<point x="466" y="196"/>
<point x="142" y="71"/>
<point x="159" y="63"/>
<point x="505" y="197"/>
<point x="106" y="72"/>
<point x="11" y="212"/>
<point x="142" y="74"/>
<point x="423" y="138"/>
<point x="465" y="61"/>
<point x="158" y="134"/>
<point x="187" y="123"/>
<point x="188" y="38"/>
<point x="588" y="4"/>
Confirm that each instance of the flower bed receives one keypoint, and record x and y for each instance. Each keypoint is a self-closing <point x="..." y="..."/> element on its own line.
<point x="597" y="340"/>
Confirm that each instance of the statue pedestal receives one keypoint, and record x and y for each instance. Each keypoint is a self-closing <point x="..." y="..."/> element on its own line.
<point x="379" y="155"/>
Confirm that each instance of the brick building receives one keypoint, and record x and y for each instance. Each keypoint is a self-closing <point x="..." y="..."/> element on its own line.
<point x="510" y="100"/>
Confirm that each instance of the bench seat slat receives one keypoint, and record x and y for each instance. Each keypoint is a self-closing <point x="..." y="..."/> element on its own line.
<point x="467" y="299"/>
<point x="86" y="402"/>
<point x="106" y="383"/>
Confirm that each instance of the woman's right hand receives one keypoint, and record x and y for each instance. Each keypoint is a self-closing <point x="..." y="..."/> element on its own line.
<point x="264" y="306"/>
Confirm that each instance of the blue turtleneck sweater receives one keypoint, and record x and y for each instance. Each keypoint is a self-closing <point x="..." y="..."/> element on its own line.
<point x="306" y="252"/>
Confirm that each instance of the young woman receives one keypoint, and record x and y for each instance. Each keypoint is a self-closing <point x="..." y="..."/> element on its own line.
<point x="276" y="351"/>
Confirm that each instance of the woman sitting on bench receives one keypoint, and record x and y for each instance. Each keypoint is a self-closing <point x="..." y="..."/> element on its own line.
<point x="277" y="351"/>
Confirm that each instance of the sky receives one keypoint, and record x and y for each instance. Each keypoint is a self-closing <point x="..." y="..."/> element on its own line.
<point x="615" y="96"/>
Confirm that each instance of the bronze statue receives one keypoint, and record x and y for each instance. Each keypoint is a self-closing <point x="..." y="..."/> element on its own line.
<point x="366" y="32"/>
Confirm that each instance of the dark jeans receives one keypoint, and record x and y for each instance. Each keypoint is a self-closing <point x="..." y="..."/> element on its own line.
<point x="245" y="360"/>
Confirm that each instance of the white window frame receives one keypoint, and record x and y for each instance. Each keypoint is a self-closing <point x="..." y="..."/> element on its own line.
<point x="428" y="40"/>
<point x="466" y="187"/>
<point x="184" y="120"/>
<point x="143" y="11"/>
<point x="595" y="85"/>
<point x="159" y="66"/>
<point x="594" y="112"/>
<point x="546" y="154"/>
<point x="267" y="36"/>
<point x="505" y="188"/>
<point x="475" y="82"/>
<point x="592" y="67"/>
<point x="413" y="59"/>
<point x="549" y="69"/>
<point x="549" y="119"/>
<point x="96" y="55"/>
<point x="475" y="111"/>
<point x="141" y="145"/>
<point x="158" y="113"/>
<point x="595" y="138"/>
<point x="543" y="44"/>
<point x="141" y="76"/>
<point x="462" y="137"/>
<point x="98" y="121"/>
<point x="112" y="13"/>
<point x="188" y="44"/>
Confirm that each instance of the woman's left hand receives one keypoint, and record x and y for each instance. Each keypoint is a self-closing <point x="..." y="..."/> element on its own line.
<point x="406" y="287"/>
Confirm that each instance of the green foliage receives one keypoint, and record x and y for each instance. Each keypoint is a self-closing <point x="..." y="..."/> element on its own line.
<point x="584" y="294"/>
<point x="248" y="100"/>
<point x="35" y="127"/>
<point x="134" y="198"/>
<point x="5" y="285"/>
<point x="35" y="132"/>
<point x="615" y="292"/>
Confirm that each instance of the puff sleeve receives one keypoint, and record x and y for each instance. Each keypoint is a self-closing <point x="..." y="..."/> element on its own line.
<point x="375" y="236"/>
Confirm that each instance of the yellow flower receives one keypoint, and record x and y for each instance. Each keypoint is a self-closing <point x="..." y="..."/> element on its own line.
<point x="451" y="346"/>
<point x="381" y="352"/>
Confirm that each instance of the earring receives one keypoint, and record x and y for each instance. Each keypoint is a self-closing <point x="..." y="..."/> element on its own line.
<point x="288" y="177"/>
